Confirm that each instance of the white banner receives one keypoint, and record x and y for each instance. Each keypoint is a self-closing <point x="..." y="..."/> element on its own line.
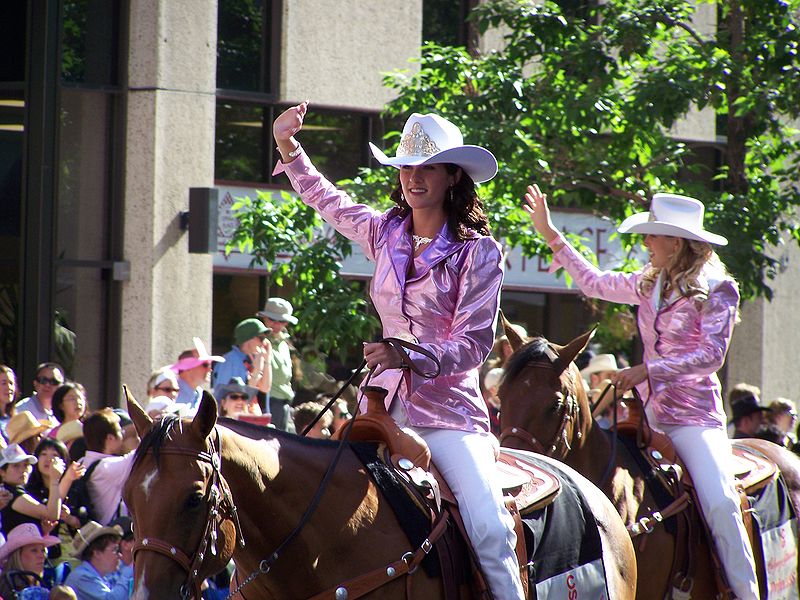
<point x="587" y="581"/>
<point x="525" y="274"/>
<point x="780" y="557"/>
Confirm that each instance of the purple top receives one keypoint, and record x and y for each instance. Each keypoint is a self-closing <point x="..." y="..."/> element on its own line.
<point x="685" y="339"/>
<point x="449" y="306"/>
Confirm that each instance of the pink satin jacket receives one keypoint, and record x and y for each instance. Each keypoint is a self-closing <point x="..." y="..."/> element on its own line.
<point x="448" y="306"/>
<point x="685" y="340"/>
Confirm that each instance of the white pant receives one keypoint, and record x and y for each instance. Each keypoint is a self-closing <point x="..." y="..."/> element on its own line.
<point x="706" y="452"/>
<point x="466" y="461"/>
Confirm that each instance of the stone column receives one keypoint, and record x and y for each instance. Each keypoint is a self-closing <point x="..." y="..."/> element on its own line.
<point x="169" y="148"/>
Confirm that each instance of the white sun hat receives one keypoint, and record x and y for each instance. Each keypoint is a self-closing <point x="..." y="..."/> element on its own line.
<point x="431" y="139"/>
<point x="599" y="364"/>
<point x="671" y="214"/>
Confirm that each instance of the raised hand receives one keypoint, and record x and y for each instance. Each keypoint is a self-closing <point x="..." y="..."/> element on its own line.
<point x="58" y="467"/>
<point x="289" y="122"/>
<point x="536" y="207"/>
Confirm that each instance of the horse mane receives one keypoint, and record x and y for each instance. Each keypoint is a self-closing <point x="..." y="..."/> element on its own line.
<point x="536" y="350"/>
<point x="157" y="437"/>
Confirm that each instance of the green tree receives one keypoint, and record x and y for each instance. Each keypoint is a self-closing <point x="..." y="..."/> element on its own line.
<point x="287" y="237"/>
<point x="582" y="97"/>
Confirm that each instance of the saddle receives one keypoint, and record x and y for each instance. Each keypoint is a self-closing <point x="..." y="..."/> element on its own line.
<point x="752" y="472"/>
<point x="526" y="486"/>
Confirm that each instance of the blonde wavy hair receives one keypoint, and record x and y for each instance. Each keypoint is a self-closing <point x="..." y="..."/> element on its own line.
<point x="682" y="274"/>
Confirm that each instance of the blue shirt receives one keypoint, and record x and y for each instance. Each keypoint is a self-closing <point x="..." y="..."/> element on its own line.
<point x="234" y="366"/>
<point x="188" y="395"/>
<point x="90" y="585"/>
<point x="34" y="406"/>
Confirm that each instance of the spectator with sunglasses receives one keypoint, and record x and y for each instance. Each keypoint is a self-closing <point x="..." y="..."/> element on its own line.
<point x="163" y="382"/>
<point x="248" y="360"/>
<point x="49" y="376"/>
<point x="236" y="398"/>
<point x="194" y="372"/>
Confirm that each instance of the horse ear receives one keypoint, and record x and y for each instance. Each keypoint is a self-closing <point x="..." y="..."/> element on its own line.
<point x="513" y="337"/>
<point x="141" y="420"/>
<point x="206" y="416"/>
<point x="569" y="352"/>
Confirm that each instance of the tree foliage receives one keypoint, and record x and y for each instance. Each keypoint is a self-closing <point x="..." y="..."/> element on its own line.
<point x="584" y="102"/>
<point x="286" y="236"/>
<point x="584" y="99"/>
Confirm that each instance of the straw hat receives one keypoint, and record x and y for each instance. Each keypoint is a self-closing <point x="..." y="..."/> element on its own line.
<point x="69" y="431"/>
<point x="24" y="425"/>
<point x="89" y="533"/>
<point x="23" y="535"/>
<point x="600" y="363"/>
<point x="201" y="356"/>
<point x="14" y="454"/>
<point x="430" y="139"/>
<point x="671" y="214"/>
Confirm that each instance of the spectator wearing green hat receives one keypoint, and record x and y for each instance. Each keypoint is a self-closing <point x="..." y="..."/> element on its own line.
<point x="248" y="359"/>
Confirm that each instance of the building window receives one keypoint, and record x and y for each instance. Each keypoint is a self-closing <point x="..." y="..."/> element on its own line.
<point x="445" y="23"/>
<point x="336" y="140"/>
<point x="89" y="42"/>
<point x="248" y="44"/>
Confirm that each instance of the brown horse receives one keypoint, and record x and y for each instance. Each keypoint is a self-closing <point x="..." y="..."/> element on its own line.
<point x="189" y="478"/>
<point x="544" y="407"/>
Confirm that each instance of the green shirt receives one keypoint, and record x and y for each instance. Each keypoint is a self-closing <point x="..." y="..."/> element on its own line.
<point x="281" y="368"/>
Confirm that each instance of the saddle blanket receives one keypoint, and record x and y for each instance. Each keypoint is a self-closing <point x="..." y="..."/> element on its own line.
<point x="775" y="522"/>
<point x="564" y="546"/>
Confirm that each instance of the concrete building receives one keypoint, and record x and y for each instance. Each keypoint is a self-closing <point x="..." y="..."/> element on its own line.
<point x="111" y="110"/>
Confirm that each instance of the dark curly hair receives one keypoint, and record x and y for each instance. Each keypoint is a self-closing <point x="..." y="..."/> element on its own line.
<point x="464" y="211"/>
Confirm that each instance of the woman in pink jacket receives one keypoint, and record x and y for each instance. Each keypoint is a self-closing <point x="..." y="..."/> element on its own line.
<point x="688" y="305"/>
<point x="437" y="283"/>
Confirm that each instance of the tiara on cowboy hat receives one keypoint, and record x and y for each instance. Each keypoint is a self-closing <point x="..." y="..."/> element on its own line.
<point x="671" y="214"/>
<point x="201" y="356"/>
<point x="24" y="535"/>
<point x="430" y="139"/>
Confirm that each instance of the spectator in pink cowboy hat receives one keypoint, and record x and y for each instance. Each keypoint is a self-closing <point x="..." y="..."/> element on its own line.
<point x="194" y="372"/>
<point x="24" y="550"/>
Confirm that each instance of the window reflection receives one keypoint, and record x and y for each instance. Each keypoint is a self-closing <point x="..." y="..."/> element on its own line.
<point x="242" y="56"/>
<point x="335" y="140"/>
<point x="89" y="41"/>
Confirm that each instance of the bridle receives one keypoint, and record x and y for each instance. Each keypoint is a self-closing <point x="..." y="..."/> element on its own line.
<point x="221" y="508"/>
<point x="569" y="415"/>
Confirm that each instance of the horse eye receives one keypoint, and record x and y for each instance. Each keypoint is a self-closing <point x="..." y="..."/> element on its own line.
<point x="194" y="501"/>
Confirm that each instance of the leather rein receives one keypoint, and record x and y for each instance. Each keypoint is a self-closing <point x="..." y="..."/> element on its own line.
<point x="221" y="507"/>
<point x="569" y="414"/>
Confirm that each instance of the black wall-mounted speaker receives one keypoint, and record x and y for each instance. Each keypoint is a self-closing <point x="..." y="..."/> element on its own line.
<point x="202" y="220"/>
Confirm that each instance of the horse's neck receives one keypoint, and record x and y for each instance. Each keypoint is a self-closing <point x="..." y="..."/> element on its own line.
<point x="590" y="456"/>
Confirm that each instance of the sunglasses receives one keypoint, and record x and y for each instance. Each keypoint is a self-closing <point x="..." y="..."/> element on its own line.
<point x="48" y="381"/>
<point x="238" y="396"/>
<point x="206" y="365"/>
<point x="168" y="390"/>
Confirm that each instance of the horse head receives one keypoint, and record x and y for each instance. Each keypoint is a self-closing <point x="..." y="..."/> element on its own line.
<point x="544" y="405"/>
<point x="185" y="522"/>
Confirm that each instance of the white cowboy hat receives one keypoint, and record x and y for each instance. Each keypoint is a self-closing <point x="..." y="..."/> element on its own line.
<point x="431" y="139"/>
<point x="600" y="363"/>
<point x="671" y="214"/>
